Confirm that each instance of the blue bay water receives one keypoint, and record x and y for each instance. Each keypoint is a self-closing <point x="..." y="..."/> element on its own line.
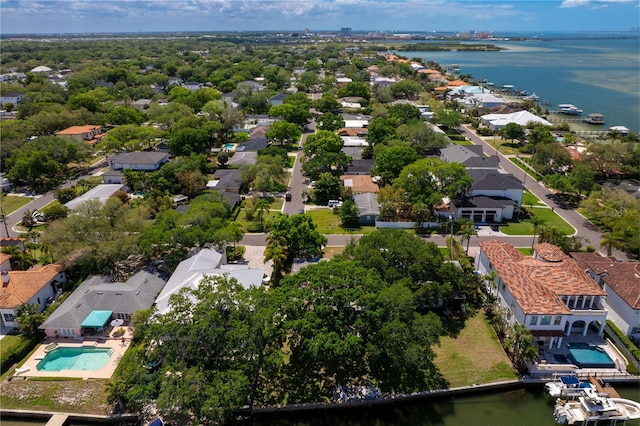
<point x="595" y="74"/>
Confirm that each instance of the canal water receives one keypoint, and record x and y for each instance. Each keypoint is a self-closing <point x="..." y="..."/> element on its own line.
<point x="520" y="407"/>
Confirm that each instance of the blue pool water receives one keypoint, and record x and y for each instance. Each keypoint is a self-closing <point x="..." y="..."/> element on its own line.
<point x="587" y="356"/>
<point x="83" y="358"/>
<point x="228" y="146"/>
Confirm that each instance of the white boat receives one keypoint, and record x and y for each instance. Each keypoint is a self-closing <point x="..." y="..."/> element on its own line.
<point x="567" y="387"/>
<point x="569" y="109"/>
<point x="593" y="408"/>
<point x="595" y="118"/>
<point x="531" y="97"/>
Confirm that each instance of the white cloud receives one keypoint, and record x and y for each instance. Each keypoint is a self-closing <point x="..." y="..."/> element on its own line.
<point x="592" y="3"/>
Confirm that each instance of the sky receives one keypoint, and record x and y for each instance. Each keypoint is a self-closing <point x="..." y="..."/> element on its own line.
<point x="99" y="16"/>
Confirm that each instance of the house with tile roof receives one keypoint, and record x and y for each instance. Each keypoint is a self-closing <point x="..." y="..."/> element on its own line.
<point x="37" y="286"/>
<point x="621" y="282"/>
<point x="99" y="293"/>
<point x="90" y="133"/>
<point x="548" y="292"/>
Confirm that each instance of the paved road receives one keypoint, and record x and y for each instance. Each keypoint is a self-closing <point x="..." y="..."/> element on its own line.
<point x="296" y="182"/>
<point x="590" y="234"/>
<point x="40" y="201"/>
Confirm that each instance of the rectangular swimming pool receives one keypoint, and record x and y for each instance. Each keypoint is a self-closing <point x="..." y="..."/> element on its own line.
<point x="589" y="356"/>
<point x="75" y="358"/>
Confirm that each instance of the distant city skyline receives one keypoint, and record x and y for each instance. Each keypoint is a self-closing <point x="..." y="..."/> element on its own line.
<point x="99" y="16"/>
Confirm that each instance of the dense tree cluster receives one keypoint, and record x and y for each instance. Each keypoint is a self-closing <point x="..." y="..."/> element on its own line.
<point x="368" y="317"/>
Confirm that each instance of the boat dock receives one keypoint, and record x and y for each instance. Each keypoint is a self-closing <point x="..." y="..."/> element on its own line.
<point x="603" y="388"/>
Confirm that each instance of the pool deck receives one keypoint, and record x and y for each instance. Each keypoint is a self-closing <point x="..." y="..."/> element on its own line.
<point x="116" y="344"/>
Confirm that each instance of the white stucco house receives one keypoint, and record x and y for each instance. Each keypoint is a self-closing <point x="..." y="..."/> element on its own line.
<point x="548" y="292"/>
<point x="498" y="121"/>
<point x="621" y="282"/>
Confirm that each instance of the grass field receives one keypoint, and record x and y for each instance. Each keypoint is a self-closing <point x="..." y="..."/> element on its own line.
<point x="11" y="203"/>
<point x="474" y="356"/>
<point x="329" y="223"/>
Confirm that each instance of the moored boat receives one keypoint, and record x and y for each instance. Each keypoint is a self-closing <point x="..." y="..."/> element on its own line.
<point x="531" y="97"/>
<point x="567" y="387"/>
<point x="594" y="118"/>
<point x="569" y="109"/>
<point x="593" y="408"/>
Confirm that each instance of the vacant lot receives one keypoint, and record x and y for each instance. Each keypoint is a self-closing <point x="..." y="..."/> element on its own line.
<point x="11" y="203"/>
<point x="474" y="356"/>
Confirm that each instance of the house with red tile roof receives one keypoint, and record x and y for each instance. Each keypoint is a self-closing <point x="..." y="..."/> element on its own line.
<point x="90" y="133"/>
<point x="35" y="286"/>
<point x="548" y="292"/>
<point x="621" y="282"/>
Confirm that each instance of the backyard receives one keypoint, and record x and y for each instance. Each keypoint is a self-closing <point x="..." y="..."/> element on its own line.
<point x="327" y="222"/>
<point x="474" y="356"/>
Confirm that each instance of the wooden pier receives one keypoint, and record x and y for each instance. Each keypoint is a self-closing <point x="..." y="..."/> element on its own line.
<point x="603" y="388"/>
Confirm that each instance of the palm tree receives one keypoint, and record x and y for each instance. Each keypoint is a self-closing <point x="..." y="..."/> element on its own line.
<point x="611" y="240"/>
<point x="521" y="347"/>
<point x="467" y="230"/>
<point x="537" y="223"/>
<point x="261" y="206"/>
<point x="277" y="251"/>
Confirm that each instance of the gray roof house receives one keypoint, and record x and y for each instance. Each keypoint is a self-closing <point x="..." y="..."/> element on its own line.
<point x="368" y="206"/>
<point x="138" y="160"/>
<point x="470" y="156"/>
<point x="98" y="293"/>
<point x="100" y="192"/>
<point x="228" y="180"/>
<point x="206" y="262"/>
<point x="483" y="209"/>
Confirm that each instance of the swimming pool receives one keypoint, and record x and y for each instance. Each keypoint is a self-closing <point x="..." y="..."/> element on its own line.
<point x="228" y="146"/>
<point x="80" y="358"/>
<point x="587" y="356"/>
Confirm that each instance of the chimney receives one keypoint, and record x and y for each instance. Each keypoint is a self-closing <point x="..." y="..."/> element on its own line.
<point x="5" y="278"/>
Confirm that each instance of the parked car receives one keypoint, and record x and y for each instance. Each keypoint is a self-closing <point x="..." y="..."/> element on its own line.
<point x="495" y="228"/>
<point x="334" y="203"/>
<point x="287" y="196"/>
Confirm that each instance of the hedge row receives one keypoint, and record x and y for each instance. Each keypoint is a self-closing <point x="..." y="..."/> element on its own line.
<point x="17" y="352"/>
<point x="624" y="339"/>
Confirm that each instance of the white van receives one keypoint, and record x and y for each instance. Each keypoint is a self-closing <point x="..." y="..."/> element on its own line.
<point x="334" y="203"/>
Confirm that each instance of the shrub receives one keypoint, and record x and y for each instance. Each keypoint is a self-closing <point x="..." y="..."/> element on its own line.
<point x="17" y="352"/>
<point x="628" y="343"/>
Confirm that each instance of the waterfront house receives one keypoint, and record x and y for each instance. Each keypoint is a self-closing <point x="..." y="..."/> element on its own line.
<point x="498" y="121"/>
<point x="621" y="282"/>
<point x="206" y="262"/>
<point x="99" y="299"/>
<point x="37" y="286"/>
<point x="548" y="292"/>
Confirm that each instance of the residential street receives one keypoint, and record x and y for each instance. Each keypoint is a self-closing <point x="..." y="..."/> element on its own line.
<point x="296" y="182"/>
<point x="584" y="229"/>
<point x="42" y="200"/>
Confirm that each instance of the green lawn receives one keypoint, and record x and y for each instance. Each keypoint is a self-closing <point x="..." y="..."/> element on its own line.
<point x="11" y="203"/>
<point x="529" y="199"/>
<point x="550" y="218"/>
<point x="8" y="341"/>
<point x="474" y="356"/>
<point x="329" y="223"/>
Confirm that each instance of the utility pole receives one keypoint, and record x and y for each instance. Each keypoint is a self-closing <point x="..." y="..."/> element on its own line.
<point x="4" y="220"/>
<point x="451" y="242"/>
